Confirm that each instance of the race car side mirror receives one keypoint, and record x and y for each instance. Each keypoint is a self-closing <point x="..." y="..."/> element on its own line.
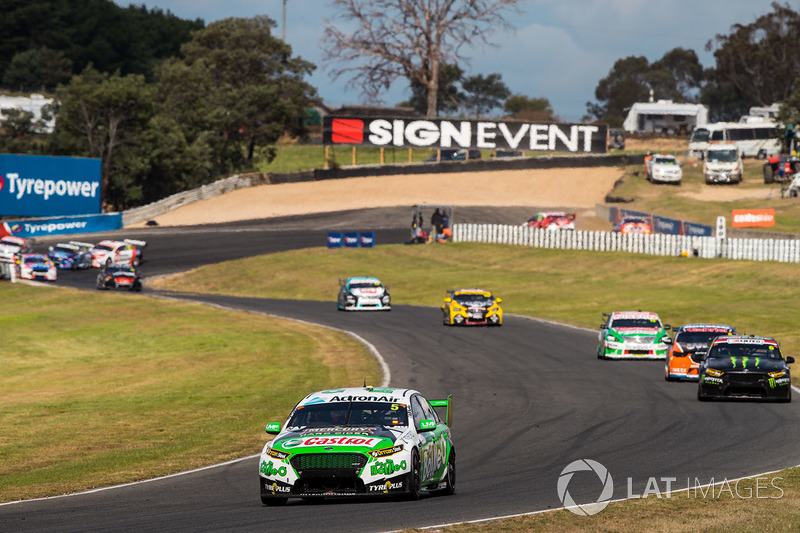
<point x="667" y="326"/>
<point x="273" y="428"/>
<point x="448" y="300"/>
<point x="499" y="300"/>
<point x="789" y="359"/>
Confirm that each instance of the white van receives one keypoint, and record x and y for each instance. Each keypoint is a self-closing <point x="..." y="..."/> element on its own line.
<point x="722" y="163"/>
<point x="757" y="139"/>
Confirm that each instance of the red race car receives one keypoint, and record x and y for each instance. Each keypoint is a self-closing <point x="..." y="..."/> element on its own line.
<point x="552" y="220"/>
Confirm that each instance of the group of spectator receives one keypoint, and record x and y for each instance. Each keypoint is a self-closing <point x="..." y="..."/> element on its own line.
<point x="440" y="228"/>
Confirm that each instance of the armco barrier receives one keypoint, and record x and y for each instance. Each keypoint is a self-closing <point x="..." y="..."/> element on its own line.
<point x="782" y="250"/>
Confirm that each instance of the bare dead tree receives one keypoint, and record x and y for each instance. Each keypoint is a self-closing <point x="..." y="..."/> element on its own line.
<point x="407" y="39"/>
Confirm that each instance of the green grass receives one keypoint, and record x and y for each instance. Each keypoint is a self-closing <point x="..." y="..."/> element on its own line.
<point x="99" y="389"/>
<point x="573" y="287"/>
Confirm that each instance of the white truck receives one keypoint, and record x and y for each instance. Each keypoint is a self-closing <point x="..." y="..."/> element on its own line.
<point x="722" y="163"/>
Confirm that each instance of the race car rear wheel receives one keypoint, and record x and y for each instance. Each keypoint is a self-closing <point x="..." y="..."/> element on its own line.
<point x="450" y="480"/>
<point x="415" y="477"/>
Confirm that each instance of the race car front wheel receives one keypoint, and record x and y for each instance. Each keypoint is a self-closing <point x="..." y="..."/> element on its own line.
<point x="414" y="477"/>
<point x="273" y="502"/>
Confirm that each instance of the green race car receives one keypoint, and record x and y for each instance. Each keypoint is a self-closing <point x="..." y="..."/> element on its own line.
<point x="359" y="442"/>
<point x="633" y="335"/>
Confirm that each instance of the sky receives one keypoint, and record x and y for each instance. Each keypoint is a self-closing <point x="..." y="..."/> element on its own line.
<point x="557" y="49"/>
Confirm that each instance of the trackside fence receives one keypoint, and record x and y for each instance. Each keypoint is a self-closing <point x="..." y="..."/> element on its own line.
<point x="782" y="250"/>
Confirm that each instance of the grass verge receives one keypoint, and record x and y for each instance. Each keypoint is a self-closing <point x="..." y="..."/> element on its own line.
<point x="103" y="389"/>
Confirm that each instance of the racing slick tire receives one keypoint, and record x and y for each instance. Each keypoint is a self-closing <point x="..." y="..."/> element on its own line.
<point x="700" y="396"/>
<point x="273" y="502"/>
<point x="415" y="477"/>
<point x="450" y="480"/>
<point x="769" y="176"/>
<point x="135" y="261"/>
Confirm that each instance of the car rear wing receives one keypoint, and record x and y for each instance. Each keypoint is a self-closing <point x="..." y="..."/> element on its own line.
<point x="82" y="244"/>
<point x="138" y="244"/>
<point x="448" y="403"/>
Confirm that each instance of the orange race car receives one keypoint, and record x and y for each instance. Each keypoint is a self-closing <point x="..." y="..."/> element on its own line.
<point x="634" y="224"/>
<point x="690" y="347"/>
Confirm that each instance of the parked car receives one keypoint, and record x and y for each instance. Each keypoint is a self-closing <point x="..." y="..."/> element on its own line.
<point x="722" y="163"/>
<point x="664" y="168"/>
<point x="454" y="155"/>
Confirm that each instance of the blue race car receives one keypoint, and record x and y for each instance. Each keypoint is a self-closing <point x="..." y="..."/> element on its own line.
<point x="72" y="255"/>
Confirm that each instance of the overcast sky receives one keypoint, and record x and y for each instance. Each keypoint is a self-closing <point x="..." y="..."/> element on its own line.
<point x="559" y="49"/>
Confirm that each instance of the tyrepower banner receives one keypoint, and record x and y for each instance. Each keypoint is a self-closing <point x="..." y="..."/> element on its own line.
<point x="752" y="218"/>
<point x="62" y="225"/>
<point x="37" y="186"/>
<point x="449" y="133"/>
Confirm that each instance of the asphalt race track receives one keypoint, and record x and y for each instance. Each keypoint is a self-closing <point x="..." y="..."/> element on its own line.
<point x="529" y="398"/>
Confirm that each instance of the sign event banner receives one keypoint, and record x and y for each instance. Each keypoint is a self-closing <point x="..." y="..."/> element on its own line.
<point x="456" y="134"/>
<point x="42" y="186"/>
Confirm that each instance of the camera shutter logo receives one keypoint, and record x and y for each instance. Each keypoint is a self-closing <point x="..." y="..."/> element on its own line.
<point x="579" y="466"/>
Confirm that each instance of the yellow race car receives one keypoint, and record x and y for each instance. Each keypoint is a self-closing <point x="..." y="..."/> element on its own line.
<point x="471" y="307"/>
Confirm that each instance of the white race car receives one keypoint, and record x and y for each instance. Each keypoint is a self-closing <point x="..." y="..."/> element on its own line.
<point x="11" y="245"/>
<point x="633" y="335"/>
<point x="36" y="267"/>
<point x="359" y="442"/>
<point x="363" y="294"/>
<point x="128" y="251"/>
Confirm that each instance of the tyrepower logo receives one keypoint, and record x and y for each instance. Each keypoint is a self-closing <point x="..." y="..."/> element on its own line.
<point x="442" y="133"/>
<point x="47" y="188"/>
<point x="751" y="218"/>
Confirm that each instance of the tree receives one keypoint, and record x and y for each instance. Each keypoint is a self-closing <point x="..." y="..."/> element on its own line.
<point x="107" y="112"/>
<point x="450" y="97"/>
<point x="484" y="93"/>
<point x="408" y="39"/>
<point x="760" y="60"/>
<point x="254" y="90"/>
<point x="37" y="69"/>
<point x="625" y="84"/>
<point x="521" y="107"/>
<point x="677" y="76"/>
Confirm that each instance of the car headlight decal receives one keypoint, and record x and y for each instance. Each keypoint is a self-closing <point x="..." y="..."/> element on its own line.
<point x="714" y="372"/>
<point x="778" y="374"/>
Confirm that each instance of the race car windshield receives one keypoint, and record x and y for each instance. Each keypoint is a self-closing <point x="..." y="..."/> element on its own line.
<point x="65" y="249"/>
<point x="622" y="323"/>
<point x="725" y="351"/>
<point x="364" y="285"/>
<point x="34" y="259"/>
<point x="122" y="268"/>
<point x="473" y="299"/>
<point x="103" y="247"/>
<point x="350" y="414"/>
<point x="699" y="337"/>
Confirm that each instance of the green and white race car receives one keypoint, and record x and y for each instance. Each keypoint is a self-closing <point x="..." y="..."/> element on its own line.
<point x="633" y="335"/>
<point x="359" y="442"/>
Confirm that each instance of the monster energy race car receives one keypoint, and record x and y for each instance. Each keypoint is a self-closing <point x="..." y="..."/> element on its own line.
<point x="745" y="367"/>
<point x="357" y="442"/>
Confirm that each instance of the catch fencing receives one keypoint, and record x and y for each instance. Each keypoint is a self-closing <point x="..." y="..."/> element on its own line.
<point x="782" y="250"/>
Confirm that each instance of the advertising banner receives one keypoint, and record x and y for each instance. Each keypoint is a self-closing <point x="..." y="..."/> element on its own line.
<point x="334" y="240"/>
<point x="36" y="186"/>
<point x="696" y="230"/>
<point x="752" y="218"/>
<point x="351" y="240"/>
<point x="367" y="239"/>
<point x="451" y="133"/>
<point x="63" y="225"/>
<point x="668" y="226"/>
